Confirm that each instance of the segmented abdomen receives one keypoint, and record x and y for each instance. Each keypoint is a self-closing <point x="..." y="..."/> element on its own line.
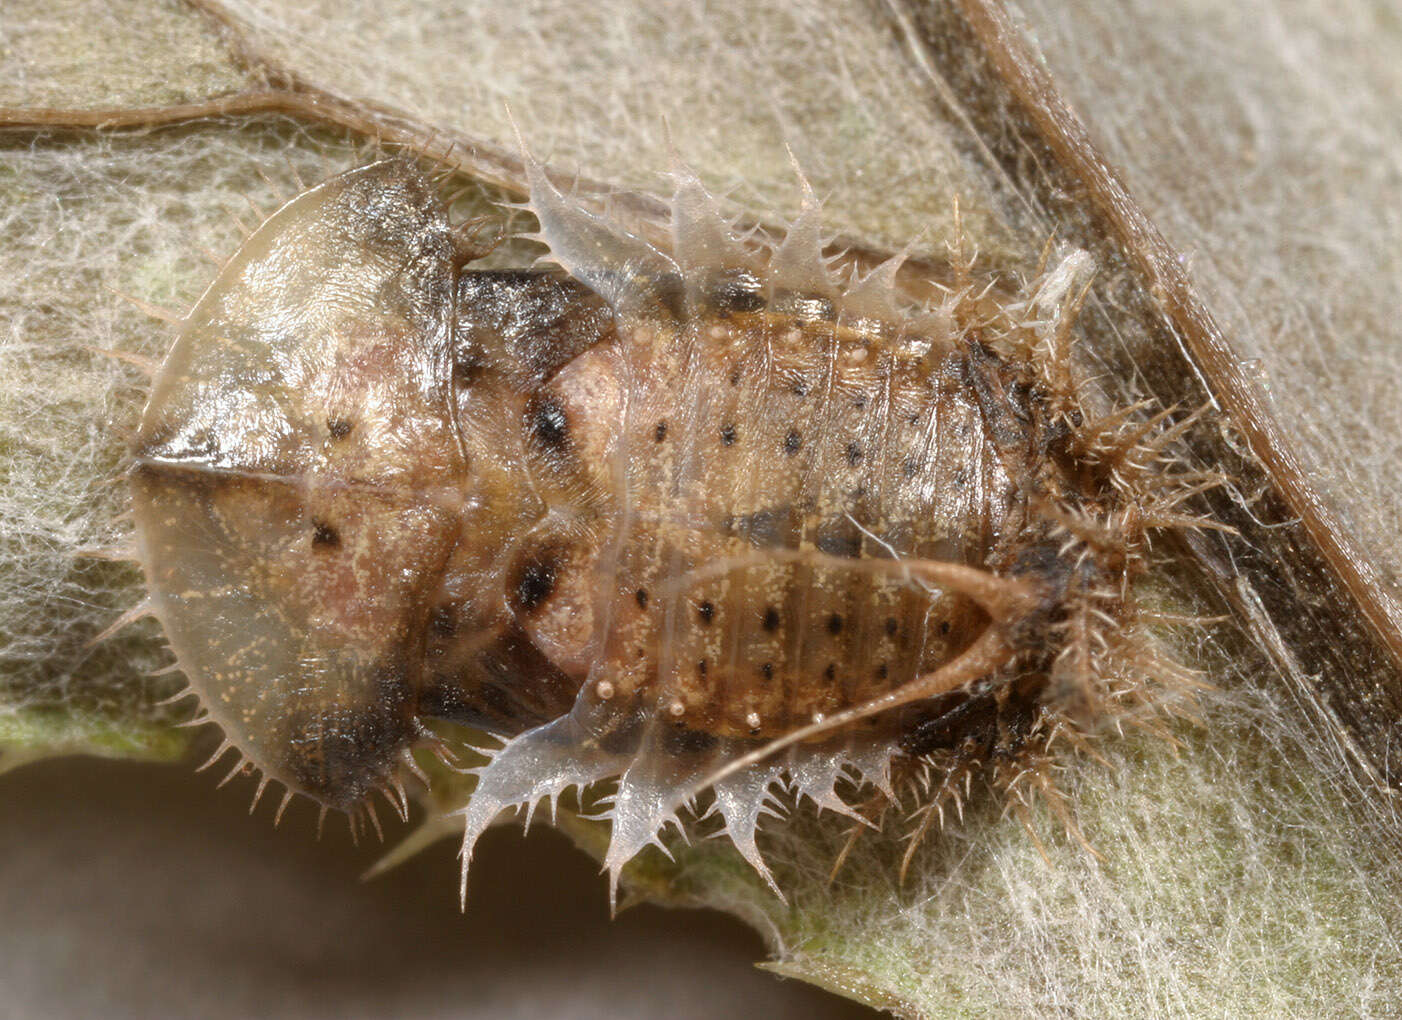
<point x="755" y="463"/>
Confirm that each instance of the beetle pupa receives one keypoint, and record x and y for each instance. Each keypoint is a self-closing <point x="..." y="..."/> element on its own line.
<point x="703" y="521"/>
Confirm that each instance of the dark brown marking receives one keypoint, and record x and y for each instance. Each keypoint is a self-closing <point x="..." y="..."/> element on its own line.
<point x="549" y="423"/>
<point x="839" y="538"/>
<point x="533" y="321"/>
<point x="534" y="582"/>
<point x="767" y="529"/>
<point x="736" y="290"/>
<point x="466" y="368"/>
<point x="338" y="753"/>
<point x="683" y="740"/>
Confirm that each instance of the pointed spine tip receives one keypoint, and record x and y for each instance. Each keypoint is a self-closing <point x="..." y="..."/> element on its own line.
<point x="223" y="748"/>
<point x="374" y="818"/>
<point x="258" y="793"/>
<point x="282" y="806"/>
<point x="140" y="611"/>
<point x="239" y="767"/>
<point x="147" y="308"/>
<point x="108" y="553"/>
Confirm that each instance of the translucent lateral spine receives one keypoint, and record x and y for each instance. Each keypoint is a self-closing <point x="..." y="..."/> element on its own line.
<point x="702" y="238"/>
<point x="538" y="764"/>
<point x="873" y="294"/>
<point x="742" y="800"/>
<point x="815" y="773"/>
<point x="645" y="804"/>
<point x="143" y="609"/>
<point x="798" y="263"/>
<point x="613" y="263"/>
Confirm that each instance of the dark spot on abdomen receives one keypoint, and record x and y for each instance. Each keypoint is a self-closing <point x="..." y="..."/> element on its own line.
<point x="533" y="581"/>
<point x="841" y="538"/>
<point x="681" y="740"/>
<point x="735" y="290"/>
<point x="549" y="424"/>
<point x="776" y="528"/>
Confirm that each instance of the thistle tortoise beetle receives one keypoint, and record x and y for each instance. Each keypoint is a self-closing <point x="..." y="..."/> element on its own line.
<point x="708" y="520"/>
